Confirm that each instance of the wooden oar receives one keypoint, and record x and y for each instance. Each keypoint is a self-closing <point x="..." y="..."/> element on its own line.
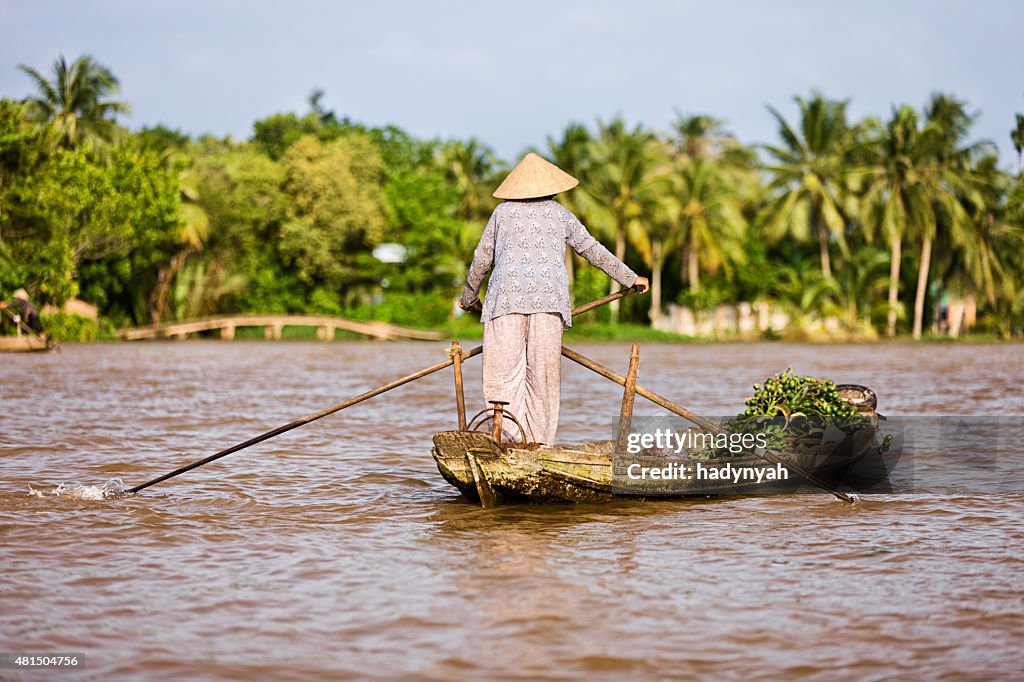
<point x="579" y="310"/>
<point x="607" y="299"/>
<point x="309" y="418"/>
<point x="351" y="401"/>
<point x="709" y="426"/>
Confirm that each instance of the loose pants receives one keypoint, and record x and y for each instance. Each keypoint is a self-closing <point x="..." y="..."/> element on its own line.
<point x="522" y="366"/>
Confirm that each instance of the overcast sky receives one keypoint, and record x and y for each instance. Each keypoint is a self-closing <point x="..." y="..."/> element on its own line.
<point x="513" y="73"/>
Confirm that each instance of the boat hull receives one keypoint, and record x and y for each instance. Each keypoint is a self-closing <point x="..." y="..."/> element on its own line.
<point x="489" y="473"/>
<point x="21" y="344"/>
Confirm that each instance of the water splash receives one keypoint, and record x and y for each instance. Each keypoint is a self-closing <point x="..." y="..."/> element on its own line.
<point x="112" y="489"/>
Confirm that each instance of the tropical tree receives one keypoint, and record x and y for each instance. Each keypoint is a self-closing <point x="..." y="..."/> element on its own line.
<point x="471" y="167"/>
<point x="200" y="285"/>
<point x="901" y="183"/>
<point x="571" y="153"/>
<point x="664" y="232"/>
<point x="720" y="188"/>
<point x="711" y="222"/>
<point x="1017" y="135"/>
<point x="701" y="136"/>
<point x="621" y="190"/>
<point x="859" y="285"/>
<point x="335" y="214"/>
<point x="240" y="192"/>
<point x="75" y="101"/>
<point x="979" y="266"/>
<point x="808" y="175"/>
<point x="951" y="185"/>
<point x="805" y="292"/>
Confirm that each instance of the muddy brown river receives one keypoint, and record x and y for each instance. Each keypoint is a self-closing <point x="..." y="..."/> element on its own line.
<point x="336" y="551"/>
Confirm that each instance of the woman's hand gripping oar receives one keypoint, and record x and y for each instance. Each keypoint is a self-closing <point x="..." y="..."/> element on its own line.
<point x="357" y="399"/>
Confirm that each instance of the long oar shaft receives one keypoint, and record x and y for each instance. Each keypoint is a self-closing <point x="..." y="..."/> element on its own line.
<point x="601" y="301"/>
<point x="640" y="390"/>
<point x="22" y="325"/>
<point x="309" y="418"/>
<point x="708" y="426"/>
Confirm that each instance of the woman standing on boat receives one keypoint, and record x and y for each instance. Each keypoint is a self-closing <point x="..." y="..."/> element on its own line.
<point x="24" y="314"/>
<point x="527" y="302"/>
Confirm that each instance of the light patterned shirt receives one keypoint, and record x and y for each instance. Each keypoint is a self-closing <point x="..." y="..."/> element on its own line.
<point x="524" y="242"/>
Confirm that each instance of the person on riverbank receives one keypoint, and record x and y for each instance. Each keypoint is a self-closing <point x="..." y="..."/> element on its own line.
<point x="527" y="303"/>
<point x="21" y="312"/>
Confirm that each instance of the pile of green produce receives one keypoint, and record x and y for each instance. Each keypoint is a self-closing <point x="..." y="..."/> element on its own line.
<point x="790" y="395"/>
<point x="792" y="411"/>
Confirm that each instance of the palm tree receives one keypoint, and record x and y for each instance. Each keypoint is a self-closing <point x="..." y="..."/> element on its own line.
<point x="859" y="285"/>
<point x="710" y="217"/>
<point x="200" y="285"/>
<point x="978" y="265"/>
<point x="571" y="153"/>
<point x="901" y="185"/>
<point x="806" y="292"/>
<point x="1017" y="135"/>
<point x="952" y="184"/>
<point x="701" y="136"/>
<point x="75" y="101"/>
<point x="620" y="193"/>
<point x="808" y="172"/>
<point x="711" y="221"/>
<point x="663" y="231"/>
<point x="471" y="166"/>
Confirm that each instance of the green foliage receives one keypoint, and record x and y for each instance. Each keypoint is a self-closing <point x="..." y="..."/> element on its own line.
<point x="75" y="223"/>
<point x="69" y="328"/>
<point x="335" y="213"/>
<point x="791" y="395"/>
<point x="161" y="139"/>
<point x="407" y="309"/>
<point x="130" y="225"/>
<point x="158" y="224"/>
<point x="275" y="134"/>
<point x="706" y="298"/>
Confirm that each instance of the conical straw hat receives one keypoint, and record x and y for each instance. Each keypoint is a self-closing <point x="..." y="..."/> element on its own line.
<point x="534" y="177"/>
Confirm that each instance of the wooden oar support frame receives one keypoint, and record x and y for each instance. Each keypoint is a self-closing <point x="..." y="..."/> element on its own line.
<point x="496" y="414"/>
<point x="455" y="353"/>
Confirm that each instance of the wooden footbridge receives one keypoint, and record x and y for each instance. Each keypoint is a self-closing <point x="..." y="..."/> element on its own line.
<point x="273" y="325"/>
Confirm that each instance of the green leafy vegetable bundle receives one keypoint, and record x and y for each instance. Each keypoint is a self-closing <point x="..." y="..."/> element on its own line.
<point x="790" y="395"/>
<point x="792" y="412"/>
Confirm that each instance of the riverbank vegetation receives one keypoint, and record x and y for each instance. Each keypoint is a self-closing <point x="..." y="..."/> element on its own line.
<point x="879" y="226"/>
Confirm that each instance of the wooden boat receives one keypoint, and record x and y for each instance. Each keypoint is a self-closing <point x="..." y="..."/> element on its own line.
<point x="23" y="343"/>
<point x="491" y="473"/>
<point x="486" y="468"/>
